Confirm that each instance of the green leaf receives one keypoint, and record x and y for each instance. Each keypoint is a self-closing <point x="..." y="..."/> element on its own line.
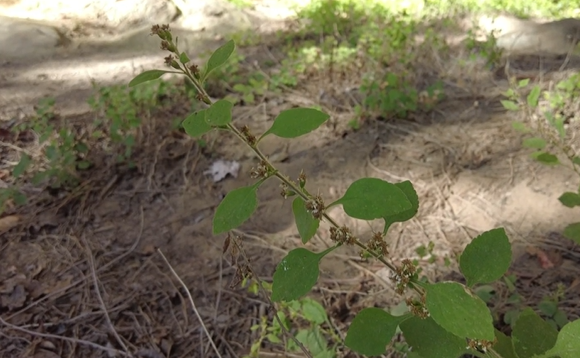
<point x="570" y="199"/>
<point x="572" y="232"/>
<point x="486" y="258"/>
<point x="313" y="311"/>
<point x="536" y="143"/>
<point x="325" y="354"/>
<point x="548" y="307"/>
<point x="183" y="58"/>
<point x="83" y="164"/>
<point x="295" y="122"/>
<point x="533" y="97"/>
<point x="457" y="310"/>
<point x="295" y="275"/>
<point x="486" y="293"/>
<point x="22" y="165"/>
<point x="219" y="57"/>
<point x="511" y="316"/>
<point x="532" y="335"/>
<point x="371" y="330"/>
<point x="219" y="113"/>
<point x="312" y="339"/>
<point x="546" y="158"/>
<point x="510" y="105"/>
<point x="39" y="177"/>
<point x="576" y="160"/>
<point x="523" y="83"/>
<point x="520" y="127"/>
<point x="561" y="318"/>
<point x="372" y="198"/>
<point x="407" y="188"/>
<point x="559" y="126"/>
<point x="82" y="147"/>
<point x="430" y="340"/>
<point x="237" y="207"/>
<point x="195" y="124"/>
<point x="147" y="76"/>
<point x="306" y="223"/>
<point x="18" y="197"/>
<point x="504" y="345"/>
<point x="273" y="338"/>
<point x="567" y="344"/>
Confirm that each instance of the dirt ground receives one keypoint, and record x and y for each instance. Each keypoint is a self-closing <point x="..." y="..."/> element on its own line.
<point x="80" y="274"/>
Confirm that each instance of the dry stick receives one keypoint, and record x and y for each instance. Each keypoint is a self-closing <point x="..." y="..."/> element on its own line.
<point x="77" y="282"/>
<point x="100" y="297"/>
<point x="191" y="302"/>
<point x="72" y="340"/>
<point x="265" y="294"/>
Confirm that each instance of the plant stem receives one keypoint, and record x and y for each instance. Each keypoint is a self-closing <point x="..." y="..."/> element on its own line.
<point x="290" y="183"/>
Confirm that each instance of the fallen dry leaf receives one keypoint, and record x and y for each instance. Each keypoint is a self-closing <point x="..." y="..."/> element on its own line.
<point x="14" y="300"/>
<point x="8" y="222"/>
<point x="543" y="258"/>
<point x="41" y="353"/>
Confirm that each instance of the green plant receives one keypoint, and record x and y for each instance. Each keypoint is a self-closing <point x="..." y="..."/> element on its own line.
<point x="546" y="118"/>
<point x="315" y="332"/>
<point x="10" y="194"/>
<point x="444" y="319"/>
<point x="120" y="112"/>
<point x="62" y="152"/>
<point x="487" y="49"/>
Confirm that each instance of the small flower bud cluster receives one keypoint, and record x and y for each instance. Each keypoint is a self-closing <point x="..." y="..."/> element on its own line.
<point x="316" y="207"/>
<point x="286" y="191"/>
<point x="250" y="138"/>
<point x="404" y="275"/>
<point x="342" y="235"/>
<point x="378" y="244"/>
<point x="262" y="171"/>
<point x="480" y="345"/>
<point x="418" y="308"/>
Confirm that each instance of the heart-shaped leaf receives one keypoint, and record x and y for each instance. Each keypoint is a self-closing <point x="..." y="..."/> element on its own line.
<point x="430" y="340"/>
<point x="456" y="309"/>
<point x="296" y="274"/>
<point x="487" y="258"/>
<point x="567" y="344"/>
<point x="407" y="188"/>
<point x="371" y="330"/>
<point x="570" y="199"/>
<point x="532" y="335"/>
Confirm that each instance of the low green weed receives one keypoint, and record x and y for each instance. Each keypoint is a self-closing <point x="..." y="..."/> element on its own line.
<point x="120" y="111"/>
<point x="315" y="331"/>
<point x="62" y="153"/>
<point x="546" y="117"/>
<point x="443" y="319"/>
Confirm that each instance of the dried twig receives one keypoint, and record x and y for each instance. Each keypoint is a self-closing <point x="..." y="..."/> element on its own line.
<point x="100" y="297"/>
<point x="68" y="339"/>
<point x="193" y="306"/>
<point x="79" y="281"/>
